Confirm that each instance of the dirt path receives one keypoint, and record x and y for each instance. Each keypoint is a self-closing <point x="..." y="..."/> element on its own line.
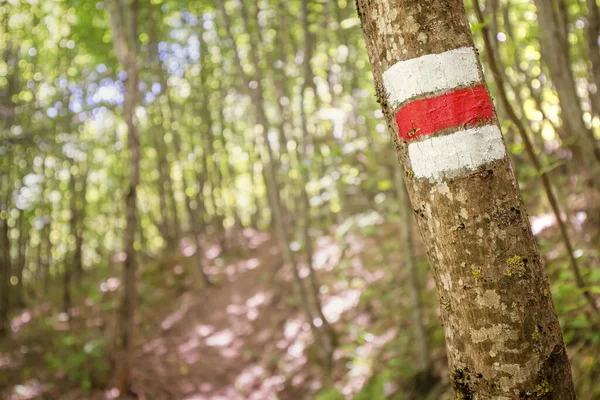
<point x="238" y="340"/>
<point x="226" y="342"/>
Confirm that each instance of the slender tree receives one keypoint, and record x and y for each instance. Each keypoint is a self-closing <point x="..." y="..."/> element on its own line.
<point x="5" y="262"/>
<point x="425" y="373"/>
<point x="8" y="108"/>
<point x="555" y="51"/>
<point x="124" y="22"/>
<point x="503" y="338"/>
<point x="22" y="245"/>
<point x="304" y="163"/>
<point x="592" y="32"/>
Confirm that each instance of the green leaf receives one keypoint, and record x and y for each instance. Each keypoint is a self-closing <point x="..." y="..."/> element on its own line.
<point x="478" y="27"/>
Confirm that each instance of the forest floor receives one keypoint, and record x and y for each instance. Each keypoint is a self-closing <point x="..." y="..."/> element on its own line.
<point x="241" y="339"/>
<point x="245" y="337"/>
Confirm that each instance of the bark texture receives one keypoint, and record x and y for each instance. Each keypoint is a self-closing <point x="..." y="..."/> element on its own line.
<point x="503" y="338"/>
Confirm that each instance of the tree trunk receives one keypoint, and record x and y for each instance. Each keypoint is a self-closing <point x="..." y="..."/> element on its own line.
<point x="503" y="338"/>
<point x="207" y="143"/>
<point x="304" y="162"/>
<point x="163" y="186"/>
<point x="230" y="179"/>
<point x="79" y="225"/>
<point x="10" y="58"/>
<point x="555" y="52"/>
<point x="67" y="289"/>
<point x="39" y="264"/>
<point x="22" y="244"/>
<point x="592" y="31"/>
<point x="130" y="265"/>
<point x="48" y="252"/>
<point x="420" y="332"/>
<point x="5" y="265"/>
<point x="69" y="266"/>
<point x="171" y="227"/>
<point x="257" y="97"/>
<point x="123" y="17"/>
<point x="176" y="140"/>
<point x="46" y="209"/>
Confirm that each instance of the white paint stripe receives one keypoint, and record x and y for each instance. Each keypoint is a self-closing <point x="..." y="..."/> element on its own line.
<point x="431" y="73"/>
<point x="449" y="155"/>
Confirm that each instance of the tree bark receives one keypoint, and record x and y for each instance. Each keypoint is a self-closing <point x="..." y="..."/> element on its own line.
<point x="503" y="338"/>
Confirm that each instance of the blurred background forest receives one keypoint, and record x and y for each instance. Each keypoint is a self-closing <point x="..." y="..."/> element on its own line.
<point x="202" y="201"/>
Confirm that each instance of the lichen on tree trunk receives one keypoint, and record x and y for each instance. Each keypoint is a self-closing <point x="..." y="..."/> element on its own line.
<point x="503" y="338"/>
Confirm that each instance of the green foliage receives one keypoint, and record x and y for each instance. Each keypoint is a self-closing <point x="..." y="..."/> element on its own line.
<point x="477" y="27"/>
<point x="82" y="362"/>
<point x="375" y="388"/>
<point x="403" y="367"/>
<point x="329" y="394"/>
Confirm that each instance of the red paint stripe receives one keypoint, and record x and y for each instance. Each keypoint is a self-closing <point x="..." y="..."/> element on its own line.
<point x="463" y="107"/>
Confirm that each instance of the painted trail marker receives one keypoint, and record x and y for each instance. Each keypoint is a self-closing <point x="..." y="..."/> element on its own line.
<point x="466" y="107"/>
<point x="431" y="73"/>
<point x="444" y="93"/>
